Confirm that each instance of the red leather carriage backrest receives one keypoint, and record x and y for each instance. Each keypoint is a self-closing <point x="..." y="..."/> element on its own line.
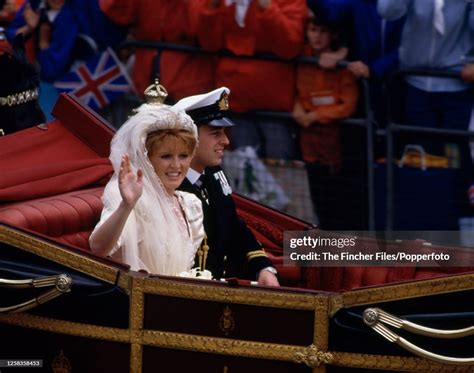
<point x="87" y="125"/>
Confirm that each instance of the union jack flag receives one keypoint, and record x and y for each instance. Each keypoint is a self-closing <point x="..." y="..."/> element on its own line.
<point x="97" y="82"/>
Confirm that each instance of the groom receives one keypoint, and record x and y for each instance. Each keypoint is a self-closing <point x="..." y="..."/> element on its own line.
<point x="232" y="246"/>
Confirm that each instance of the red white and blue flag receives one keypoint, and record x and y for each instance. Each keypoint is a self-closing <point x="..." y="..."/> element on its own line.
<point x="97" y="82"/>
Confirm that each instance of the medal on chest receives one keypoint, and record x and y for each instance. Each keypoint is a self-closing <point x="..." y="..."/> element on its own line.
<point x="226" y="188"/>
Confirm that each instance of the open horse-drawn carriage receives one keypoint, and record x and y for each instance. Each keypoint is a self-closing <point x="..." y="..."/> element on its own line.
<point x="70" y="311"/>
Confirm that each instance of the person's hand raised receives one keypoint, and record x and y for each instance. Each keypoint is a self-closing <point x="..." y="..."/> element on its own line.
<point x="32" y="18"/>
<point x="130" y="185"/>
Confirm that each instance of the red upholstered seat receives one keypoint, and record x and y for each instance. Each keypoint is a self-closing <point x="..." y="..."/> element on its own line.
<point x="68" y="217"/>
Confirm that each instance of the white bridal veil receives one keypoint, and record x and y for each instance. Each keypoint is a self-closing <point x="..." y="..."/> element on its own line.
<point x="153" y="236"/>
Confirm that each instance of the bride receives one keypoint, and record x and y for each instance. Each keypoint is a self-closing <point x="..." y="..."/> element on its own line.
<point x="145" y="221"/>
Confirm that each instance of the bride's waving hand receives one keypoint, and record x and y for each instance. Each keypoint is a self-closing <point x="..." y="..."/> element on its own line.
<point x="130" y="184"/>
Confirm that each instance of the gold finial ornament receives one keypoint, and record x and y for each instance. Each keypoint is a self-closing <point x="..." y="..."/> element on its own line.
<point x="200" y="253"/>
<point x="205" y="249"/>
<point x="155" y="94"/>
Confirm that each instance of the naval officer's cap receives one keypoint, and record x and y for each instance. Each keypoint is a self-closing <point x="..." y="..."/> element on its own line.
<point x="208" y="108"/>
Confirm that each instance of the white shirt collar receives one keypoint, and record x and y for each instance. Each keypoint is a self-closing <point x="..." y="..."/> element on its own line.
<point x="193" y="175"/>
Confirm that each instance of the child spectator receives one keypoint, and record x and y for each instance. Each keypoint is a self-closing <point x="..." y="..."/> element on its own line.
<point x="373" y="43"/>
<point x="323" y="97"/>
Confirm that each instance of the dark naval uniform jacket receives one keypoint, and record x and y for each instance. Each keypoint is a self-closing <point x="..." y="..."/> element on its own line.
<point x="233" y="249"/>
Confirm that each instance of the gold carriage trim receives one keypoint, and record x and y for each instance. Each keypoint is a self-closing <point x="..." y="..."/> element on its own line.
<point x="19" y="98"/>
<point x="401" y="291"/>
<point x="313" y="357"/>
<point x="57" y="254"/>
<point x="255" y="254"/>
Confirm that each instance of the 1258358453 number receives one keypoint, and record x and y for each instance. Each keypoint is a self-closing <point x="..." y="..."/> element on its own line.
<point x="21" y="363"/>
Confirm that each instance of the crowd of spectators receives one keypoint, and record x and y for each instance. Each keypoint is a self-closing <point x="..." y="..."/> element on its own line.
<point x="60" y="32"/>
<point x="376" y="37"/>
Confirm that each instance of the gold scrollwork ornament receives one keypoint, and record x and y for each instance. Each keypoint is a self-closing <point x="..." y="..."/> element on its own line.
<point x="312" y="357"/>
